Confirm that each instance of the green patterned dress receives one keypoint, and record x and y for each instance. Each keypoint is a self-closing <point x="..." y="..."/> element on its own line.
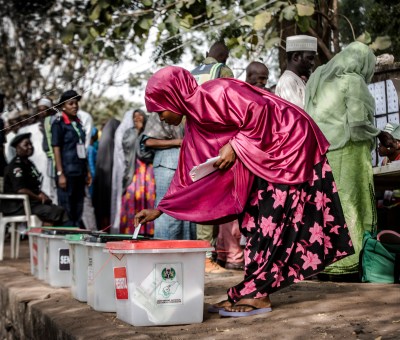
<point x="338" y="99"/>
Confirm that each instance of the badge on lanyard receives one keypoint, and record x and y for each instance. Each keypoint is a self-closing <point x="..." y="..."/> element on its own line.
<point x="80" y="147"/>
<point x="80" y="150"/>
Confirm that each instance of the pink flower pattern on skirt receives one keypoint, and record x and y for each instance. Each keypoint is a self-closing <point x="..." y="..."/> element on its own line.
<point x="292" y="232"/>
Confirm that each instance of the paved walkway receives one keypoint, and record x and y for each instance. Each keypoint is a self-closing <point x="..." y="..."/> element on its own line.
<point x="309" y="310"/>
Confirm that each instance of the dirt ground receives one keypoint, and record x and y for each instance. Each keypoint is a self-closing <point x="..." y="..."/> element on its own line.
<point x="307" y="310"/>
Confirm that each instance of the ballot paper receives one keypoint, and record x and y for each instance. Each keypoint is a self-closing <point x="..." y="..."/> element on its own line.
<point x="203" y="169"/>
<point x="136" y="232"/>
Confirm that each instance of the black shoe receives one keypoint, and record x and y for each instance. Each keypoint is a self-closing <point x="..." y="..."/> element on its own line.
<point x="234" y="266"/>
<point x="339" y="278"/>
<point x="221" y="263"/>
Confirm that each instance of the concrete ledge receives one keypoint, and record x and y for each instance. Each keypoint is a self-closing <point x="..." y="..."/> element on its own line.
<point x="30" y="309"/>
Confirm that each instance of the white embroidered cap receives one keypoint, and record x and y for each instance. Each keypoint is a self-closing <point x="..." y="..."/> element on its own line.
<point x="45" y="102"/>
<point x="393" y="129"/>
<point x="301" y="43"/>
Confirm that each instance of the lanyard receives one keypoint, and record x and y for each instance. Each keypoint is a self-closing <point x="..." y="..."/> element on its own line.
<point x="74" y="125"/>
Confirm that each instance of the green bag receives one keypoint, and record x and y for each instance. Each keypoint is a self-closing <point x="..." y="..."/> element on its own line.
<point x="380" y="262"/>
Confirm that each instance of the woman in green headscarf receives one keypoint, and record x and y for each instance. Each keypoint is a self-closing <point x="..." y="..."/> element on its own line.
<point x="338" y="99"/>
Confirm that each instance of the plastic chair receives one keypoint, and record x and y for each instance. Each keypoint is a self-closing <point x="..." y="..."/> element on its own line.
<point x="28" y="218"/>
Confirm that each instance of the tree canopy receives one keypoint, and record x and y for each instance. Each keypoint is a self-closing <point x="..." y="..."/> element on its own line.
<point x="49" y="47"/>
<point x="249" y="27"/>
<point x="37" y="58"/>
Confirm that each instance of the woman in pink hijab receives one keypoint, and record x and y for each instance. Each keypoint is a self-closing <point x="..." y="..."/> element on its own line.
<point x="272" y="174"/>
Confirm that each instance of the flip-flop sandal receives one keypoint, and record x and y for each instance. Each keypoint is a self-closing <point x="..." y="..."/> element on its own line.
<point x="254" y="311"/>
<point x="214" y="309"/>
<point x="389" y="237"/>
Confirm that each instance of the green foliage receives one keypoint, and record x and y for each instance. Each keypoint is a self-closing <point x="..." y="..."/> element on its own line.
<point x="169" y="51"/>
<point x="51" y="46"/>
<point x="77" y="38"/>
<point x="383" y="19"/>
<point x="174" y="22"/>
<point x="352" y="17"/>
<point x="373" y="22"/>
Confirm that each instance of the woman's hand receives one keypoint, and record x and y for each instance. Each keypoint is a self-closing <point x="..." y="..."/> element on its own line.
<point x="62" y="181"/>
<point x="89" y="179"/>
<point x="146" y="215"/>
<point x="44" y="198"/>
<point x="227" y="157"/>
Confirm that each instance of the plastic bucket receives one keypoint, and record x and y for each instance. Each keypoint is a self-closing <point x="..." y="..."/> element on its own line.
<point x="159" y="282"/>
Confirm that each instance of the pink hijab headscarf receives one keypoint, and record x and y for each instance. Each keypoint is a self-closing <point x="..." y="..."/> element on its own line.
<point x="272" y="138"/>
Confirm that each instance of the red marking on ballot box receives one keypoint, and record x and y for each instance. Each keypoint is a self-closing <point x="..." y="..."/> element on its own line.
<point x="35" y="253"/>
<point x="121" y="283"/>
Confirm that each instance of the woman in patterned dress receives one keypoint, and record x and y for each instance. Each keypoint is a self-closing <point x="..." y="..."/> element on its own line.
<point x="138" y="178"/>
<point x="273" y="175"/>
<point x="339" y="101"/>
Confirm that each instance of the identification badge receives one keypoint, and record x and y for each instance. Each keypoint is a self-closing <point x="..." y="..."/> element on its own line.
<point x="81" y="151"/>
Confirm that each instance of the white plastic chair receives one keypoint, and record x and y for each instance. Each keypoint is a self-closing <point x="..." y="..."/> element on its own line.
<point x="28" y="218"/>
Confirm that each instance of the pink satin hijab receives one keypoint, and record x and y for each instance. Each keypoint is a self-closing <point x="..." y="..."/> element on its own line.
<point x="272" y="138"/>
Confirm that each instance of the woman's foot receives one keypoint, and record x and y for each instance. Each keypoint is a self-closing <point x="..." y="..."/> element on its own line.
<point x="248" y="305"/>
<point x="215" y="308"/>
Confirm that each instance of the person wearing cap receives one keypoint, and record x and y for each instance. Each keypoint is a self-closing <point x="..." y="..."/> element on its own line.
<point x="68" y="142"/>
<point x="22" y="177"/>
<point x="339" y="101"/>
<point x="390" y="154"/>
<point x="300" y="52"/>
<point x="44" y="107"/>
<point x="47" y="115"/>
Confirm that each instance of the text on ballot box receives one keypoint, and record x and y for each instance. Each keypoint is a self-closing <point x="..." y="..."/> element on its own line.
<point x="64" y="260"/>
<point x="121" y="283"/>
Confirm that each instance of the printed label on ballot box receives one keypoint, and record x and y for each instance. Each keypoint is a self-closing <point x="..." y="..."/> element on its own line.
<point x="169" y="283"/>
<point x="121" y="283"/>
<point x="63" y="260"/>
<point x="35" y="253"/>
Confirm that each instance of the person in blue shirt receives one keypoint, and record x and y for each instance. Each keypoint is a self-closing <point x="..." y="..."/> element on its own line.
<point x="68" y="141"/>
<point x="92" y="155"/>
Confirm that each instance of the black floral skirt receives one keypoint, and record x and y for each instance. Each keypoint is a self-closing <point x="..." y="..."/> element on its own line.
<point x="292" y="232"/>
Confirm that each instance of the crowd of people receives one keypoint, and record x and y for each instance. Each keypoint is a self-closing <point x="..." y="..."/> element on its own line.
<point x="294" y="178"/>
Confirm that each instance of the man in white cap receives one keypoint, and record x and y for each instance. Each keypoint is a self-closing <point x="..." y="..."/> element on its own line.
<point x="47" y="115"/>
<point x="300" y="52"/>
<point x="43" y="107"/>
